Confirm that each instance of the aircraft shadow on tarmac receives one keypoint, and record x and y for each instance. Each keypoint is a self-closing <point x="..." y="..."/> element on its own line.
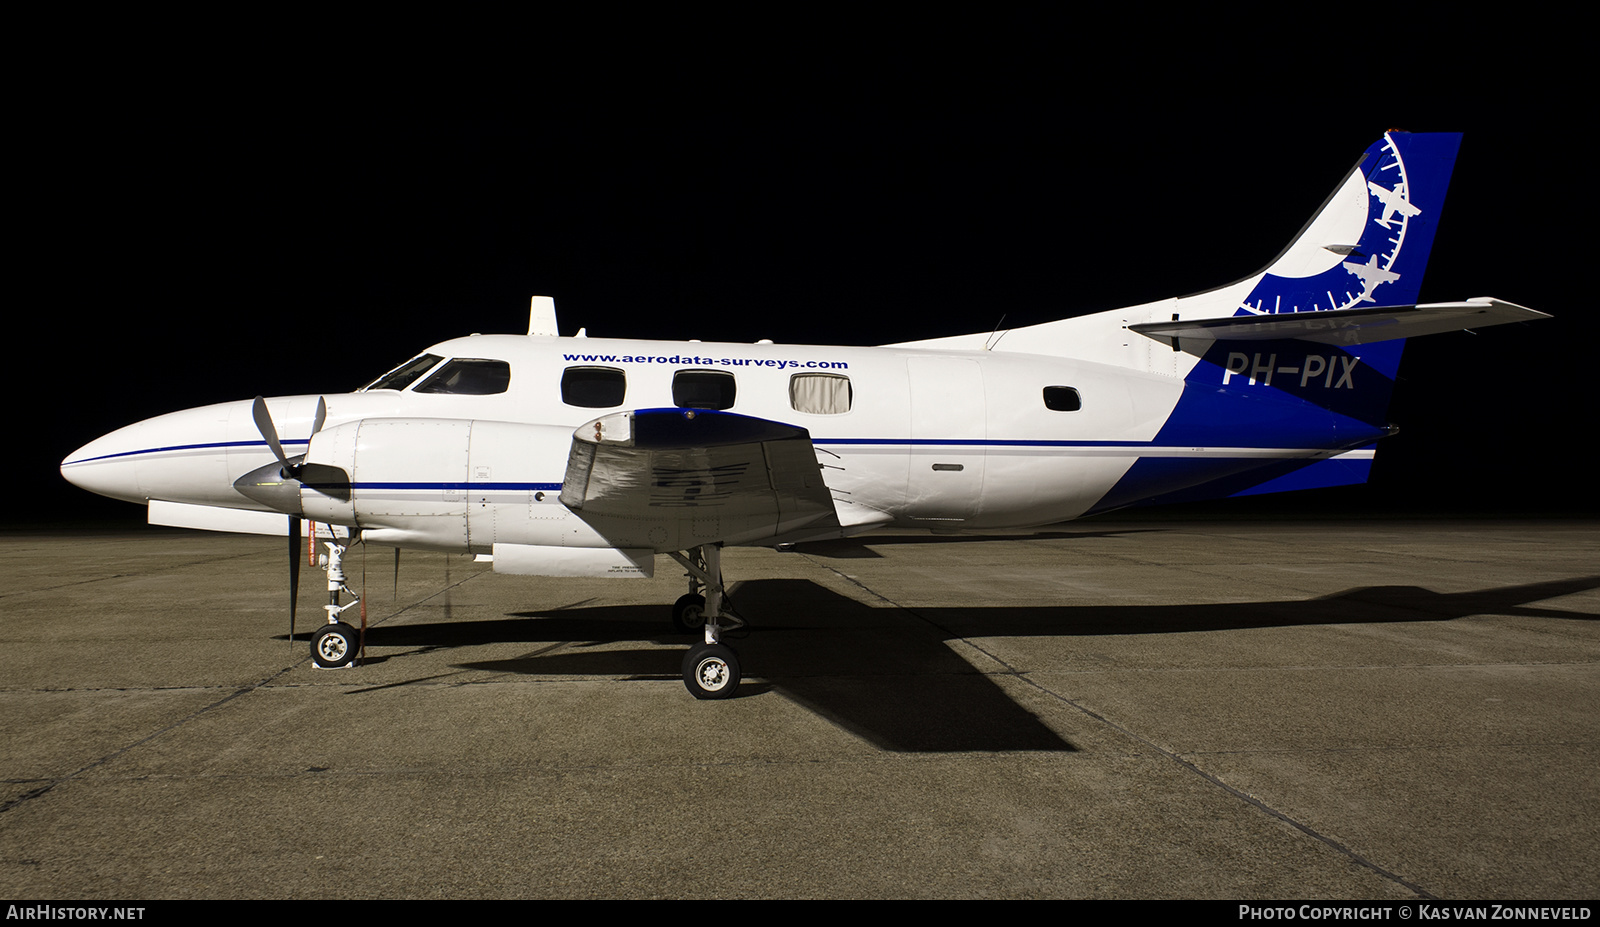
<point x="887" y="674"/>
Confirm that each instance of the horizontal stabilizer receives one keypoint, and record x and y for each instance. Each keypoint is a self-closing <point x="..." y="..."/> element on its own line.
<point x="1345" y="326"/>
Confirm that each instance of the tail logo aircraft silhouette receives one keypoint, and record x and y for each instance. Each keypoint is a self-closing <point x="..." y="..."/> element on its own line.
<point x="590" y="457"/>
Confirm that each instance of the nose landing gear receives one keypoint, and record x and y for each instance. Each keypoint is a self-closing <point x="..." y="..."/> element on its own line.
<point x="336" y="644"/>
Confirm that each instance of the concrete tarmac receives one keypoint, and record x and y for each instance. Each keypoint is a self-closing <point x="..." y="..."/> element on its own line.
<point x="1113" y="709"/>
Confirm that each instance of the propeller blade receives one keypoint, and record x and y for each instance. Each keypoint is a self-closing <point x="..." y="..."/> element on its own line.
<point x="321" y="416"/>
<point x="294" y="571"/>
<point x="264" y="425"/>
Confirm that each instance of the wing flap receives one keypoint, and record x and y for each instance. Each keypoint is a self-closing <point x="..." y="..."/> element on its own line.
<point x="1346" y="326"/>
<point x="671" y="479"/>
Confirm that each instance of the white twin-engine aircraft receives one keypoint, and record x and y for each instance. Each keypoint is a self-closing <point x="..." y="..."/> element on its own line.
<point x="589" y="457"/>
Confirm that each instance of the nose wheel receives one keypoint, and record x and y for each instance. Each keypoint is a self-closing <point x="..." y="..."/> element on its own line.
<point x="335" y="645"/>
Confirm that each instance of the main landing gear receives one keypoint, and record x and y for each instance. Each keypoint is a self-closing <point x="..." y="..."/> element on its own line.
<point x="710" y="668"/>
<point x="336" y="644"/>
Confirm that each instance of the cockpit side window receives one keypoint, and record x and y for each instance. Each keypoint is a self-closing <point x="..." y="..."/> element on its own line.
<point x="593" y="387"/>
<point x="469" y="376"/>
<point x="703" y="389"/>
<point x="405" y="374"/>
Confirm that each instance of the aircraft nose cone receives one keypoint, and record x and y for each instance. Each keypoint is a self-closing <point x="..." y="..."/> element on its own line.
<point x="177" y="457"/>
<point x="105" y="466"/>
<point x="192" y="456"/>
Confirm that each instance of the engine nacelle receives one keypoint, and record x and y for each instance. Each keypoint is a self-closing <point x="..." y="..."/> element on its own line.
<point x="447" y="484"/>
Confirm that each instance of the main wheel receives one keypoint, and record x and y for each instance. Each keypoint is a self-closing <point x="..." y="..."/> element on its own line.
<point x="711" y="671"/>
<point x="334" y="645"/>
<point x="689" y="613"/>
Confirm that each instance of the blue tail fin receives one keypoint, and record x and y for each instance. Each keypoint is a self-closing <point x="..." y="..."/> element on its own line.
<point x="1367" y="246"/>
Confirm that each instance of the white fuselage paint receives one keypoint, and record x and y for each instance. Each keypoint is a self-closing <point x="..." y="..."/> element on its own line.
<point x="934" y="439"/>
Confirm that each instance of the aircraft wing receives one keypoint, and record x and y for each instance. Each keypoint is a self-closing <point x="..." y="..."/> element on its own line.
<point x="1346" y="326"/>
<point x="676" y="478"/>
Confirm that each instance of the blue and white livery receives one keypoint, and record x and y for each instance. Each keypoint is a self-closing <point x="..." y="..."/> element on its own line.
<point x="586" y="456"/>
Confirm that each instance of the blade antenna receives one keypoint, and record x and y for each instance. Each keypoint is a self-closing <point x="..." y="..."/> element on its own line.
<point x="996" y="335"/>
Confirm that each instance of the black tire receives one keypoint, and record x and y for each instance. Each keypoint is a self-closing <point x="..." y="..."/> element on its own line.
<point x="711" y="671"/>
<point x="334" y="645"/>
<point x="689" y="613"/>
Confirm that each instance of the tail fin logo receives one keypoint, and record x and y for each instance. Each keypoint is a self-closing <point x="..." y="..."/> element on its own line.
<point x="1394" y="201"/>
<point x="1371" y="275"/>
<point x="1376" y="205"/>
<point x="1398" y="210"/>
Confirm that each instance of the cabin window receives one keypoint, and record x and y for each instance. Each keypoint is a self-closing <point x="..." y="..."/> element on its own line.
<point x="593" y="387"/>
<point x="469" y="376"/>
<point x="405" y="374"/>
<point x="703" y="389"/>
<point x="819" y="393"/>
<point x="1062" y="399"/>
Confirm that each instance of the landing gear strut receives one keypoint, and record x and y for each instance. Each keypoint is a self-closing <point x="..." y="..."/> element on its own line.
<point x="710" y="668"/>
<point x="336" y="643"/>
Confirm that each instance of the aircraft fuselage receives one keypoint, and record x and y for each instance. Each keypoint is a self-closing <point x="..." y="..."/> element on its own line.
<point x="904" y="436"/>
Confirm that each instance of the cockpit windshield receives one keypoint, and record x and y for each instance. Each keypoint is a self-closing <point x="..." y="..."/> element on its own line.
<point x="405" y="374"/>
<point x="469" y="376"/>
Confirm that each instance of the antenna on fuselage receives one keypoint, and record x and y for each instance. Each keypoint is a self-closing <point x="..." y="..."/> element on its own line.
<point x="542" y="316"/>
<point x="994" y="336"/>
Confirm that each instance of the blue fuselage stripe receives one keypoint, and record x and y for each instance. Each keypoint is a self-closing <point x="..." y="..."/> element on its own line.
<point x="218" y="445"/>
<point x="979" y="442"/>
<point x="455" y="487"/>
<point x="856" y="442"/>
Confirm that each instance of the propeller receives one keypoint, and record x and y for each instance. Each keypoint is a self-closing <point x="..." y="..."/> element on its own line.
<point x="294" y="572"/>
<point x="263" y="417"/>
<point x="277" y="486"/>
